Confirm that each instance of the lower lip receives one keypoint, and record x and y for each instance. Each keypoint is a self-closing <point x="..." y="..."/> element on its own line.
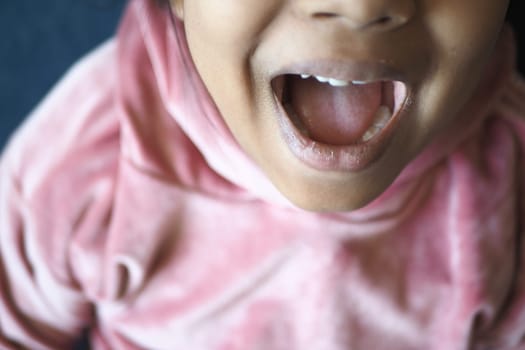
<point x="326" y="157"/>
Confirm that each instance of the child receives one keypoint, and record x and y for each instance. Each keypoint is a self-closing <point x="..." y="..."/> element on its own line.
<point x="274" y="174"/>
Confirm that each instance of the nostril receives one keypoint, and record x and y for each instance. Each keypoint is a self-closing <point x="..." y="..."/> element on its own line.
<point x="384" y="20"/>
<point x="383" y="23"/>
<point x="379" y="22"/>
<point x="323" y="15"/>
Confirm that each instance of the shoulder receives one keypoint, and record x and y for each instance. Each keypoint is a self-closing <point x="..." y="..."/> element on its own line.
<point x="74" y="127"/>
<point x="56" y="181"/>
<point x="62" y="161"/>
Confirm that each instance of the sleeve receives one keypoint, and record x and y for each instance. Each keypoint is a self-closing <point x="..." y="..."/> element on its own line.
<point x="56" y="181"/>
<point x="512" y="326"/>
<point x="39" y="309"/>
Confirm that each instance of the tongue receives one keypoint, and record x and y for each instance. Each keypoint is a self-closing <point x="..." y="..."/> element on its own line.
<point x="334" y="115"/>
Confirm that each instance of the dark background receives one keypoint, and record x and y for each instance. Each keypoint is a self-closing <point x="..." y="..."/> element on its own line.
<point x="41" y="39"/>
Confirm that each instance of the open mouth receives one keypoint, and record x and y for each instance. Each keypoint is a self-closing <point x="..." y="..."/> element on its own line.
<point x="339" y="112"/>
<point x="335" y="123"/>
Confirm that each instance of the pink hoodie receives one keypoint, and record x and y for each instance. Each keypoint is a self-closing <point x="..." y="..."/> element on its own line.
<point x="126" y="206"/>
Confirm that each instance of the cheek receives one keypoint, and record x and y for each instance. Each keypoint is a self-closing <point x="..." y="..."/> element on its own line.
<point x="463" y="35"/>
<point x="219" y="43"/>
<point x="461" y="38"/>
<point x="465" y="31"/>
<point x="222" y="36"/>
<point x="227" y="23"/>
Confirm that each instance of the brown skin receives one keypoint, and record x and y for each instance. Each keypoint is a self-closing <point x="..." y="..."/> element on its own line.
<point x="441" y="47"/>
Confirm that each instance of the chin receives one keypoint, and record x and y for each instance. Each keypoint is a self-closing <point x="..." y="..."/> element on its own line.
<point x="325" y="198"/>
<point x="327" y="205"/>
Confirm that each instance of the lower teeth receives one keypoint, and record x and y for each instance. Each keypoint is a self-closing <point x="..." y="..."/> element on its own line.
<point x="381" y="118"/>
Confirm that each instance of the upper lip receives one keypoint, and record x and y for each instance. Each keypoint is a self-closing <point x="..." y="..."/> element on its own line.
<point x="347" y="70"/>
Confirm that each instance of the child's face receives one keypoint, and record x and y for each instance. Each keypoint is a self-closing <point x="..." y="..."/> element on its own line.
<point x="251" y="53"/>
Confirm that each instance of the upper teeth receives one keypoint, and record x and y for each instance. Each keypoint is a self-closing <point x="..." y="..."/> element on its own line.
<point x="333" y="81"/>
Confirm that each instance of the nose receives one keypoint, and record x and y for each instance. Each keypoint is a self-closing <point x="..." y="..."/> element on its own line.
<point x="362" y="14"/>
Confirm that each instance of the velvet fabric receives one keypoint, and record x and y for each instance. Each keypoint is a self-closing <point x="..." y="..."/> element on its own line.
<point x="127" y="207"/>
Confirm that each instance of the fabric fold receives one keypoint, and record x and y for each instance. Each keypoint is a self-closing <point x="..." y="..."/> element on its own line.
<point x="171" y="237"/>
